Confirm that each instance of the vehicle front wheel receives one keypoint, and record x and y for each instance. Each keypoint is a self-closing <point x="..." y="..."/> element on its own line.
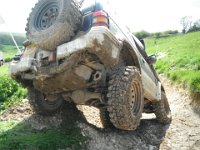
<point x="125" y="98"/>
<point x="162" y="110"/>
<point x="41" y="105"/>
<point x="105" y="118"/>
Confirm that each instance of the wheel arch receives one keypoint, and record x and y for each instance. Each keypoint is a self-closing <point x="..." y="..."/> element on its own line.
<point x="129" y="55"/>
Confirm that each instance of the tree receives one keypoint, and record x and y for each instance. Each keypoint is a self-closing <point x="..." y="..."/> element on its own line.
<point x="197" y="23"/>
<point x="157" y="34"/>
<point x="142" y="34"/>
<point x="170" y="32"/>
<point x="195" y="27"/>
<point x="186" y="22"/>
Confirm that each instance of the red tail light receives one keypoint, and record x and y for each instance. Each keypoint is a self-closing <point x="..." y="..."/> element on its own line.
<point x="100" y="18"/>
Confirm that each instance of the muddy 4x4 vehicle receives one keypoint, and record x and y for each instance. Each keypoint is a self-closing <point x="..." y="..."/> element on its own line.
<point x="81" y="52"/>
<point x="1" y="59"/>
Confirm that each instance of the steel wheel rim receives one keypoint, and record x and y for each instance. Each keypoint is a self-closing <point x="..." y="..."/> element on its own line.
<point x="135" y="97"/>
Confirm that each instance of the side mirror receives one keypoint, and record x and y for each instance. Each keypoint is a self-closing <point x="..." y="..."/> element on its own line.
<point x="152" y="59"/>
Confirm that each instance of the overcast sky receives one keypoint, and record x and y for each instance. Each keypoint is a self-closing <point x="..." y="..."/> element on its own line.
<point x="149" y="15"/>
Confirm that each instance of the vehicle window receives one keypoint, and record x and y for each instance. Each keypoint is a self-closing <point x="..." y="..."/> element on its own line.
<point x="140" y="47"/>
<point x="138" y="42"/>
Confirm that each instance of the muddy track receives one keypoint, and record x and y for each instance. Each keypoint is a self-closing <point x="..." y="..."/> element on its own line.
<point x="183" y="132"/>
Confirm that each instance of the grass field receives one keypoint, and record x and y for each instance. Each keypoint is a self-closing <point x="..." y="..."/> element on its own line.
<point x="9" y="51"/>
<point x="4" y="70"/>
<point x="11" y="92"/>
<point x="178" y="58"/>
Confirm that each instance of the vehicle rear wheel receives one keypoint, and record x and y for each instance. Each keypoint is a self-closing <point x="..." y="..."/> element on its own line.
<point x="53" y="22"/>
<point x="162" y="110"/>
<point x="41" y="105"/>
<point x="125" y="98"/>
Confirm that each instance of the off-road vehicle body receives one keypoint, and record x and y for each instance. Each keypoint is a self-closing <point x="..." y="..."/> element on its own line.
<point x="82" y="52"/>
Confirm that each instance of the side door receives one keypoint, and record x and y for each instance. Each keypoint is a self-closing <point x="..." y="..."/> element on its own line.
<point x="150" y="82"/>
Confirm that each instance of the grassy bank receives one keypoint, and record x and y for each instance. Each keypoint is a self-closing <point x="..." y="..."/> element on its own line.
<point x="178" y="58"/>
<point x="4" y="70"/>
<point x="11" y="92"/>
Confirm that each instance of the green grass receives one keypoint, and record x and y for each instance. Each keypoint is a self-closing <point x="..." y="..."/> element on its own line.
<point x="4" y="70"/>
<point x="11" y="92"/>
<point x="19" y="136"/>
<point x="9" y="51"/>
<point x="182" y="58"/>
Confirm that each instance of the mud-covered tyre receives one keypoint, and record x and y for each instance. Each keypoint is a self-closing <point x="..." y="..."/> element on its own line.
<point x="125" y="98"/>
<point x="105" y="118"/>
<point x="53" y="22"/>
<point x="162" y="110"/>
<point x="42" y="106"/>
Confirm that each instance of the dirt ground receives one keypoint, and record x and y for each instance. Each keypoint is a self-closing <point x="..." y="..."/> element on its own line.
<point x="183" y="132"/>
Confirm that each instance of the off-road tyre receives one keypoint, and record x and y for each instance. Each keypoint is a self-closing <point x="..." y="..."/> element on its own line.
<point x="105" y="118"/>
<point x="125" y="98"/>
<point x="53" y="22"/>
<point x="42" y="106"/>
<point x="162" y="110"/>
